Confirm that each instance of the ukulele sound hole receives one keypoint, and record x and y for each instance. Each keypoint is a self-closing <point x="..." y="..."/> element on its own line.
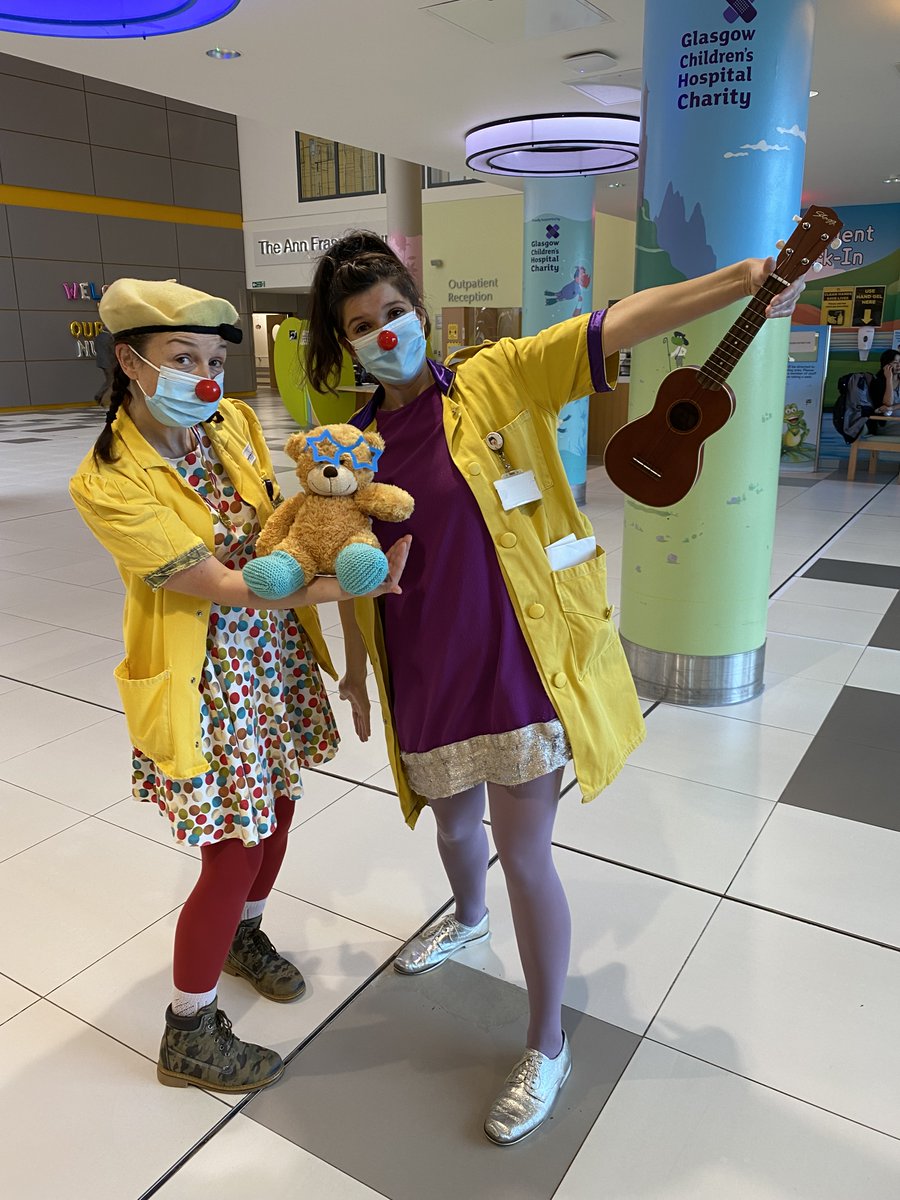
<point x="684" y="416"/>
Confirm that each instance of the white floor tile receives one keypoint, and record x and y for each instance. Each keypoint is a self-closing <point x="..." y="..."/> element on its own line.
<point x="66" y="565"/>
<point x="830" y="593"/>
<point x="246" y="1159"/>
<point x="876" y="528"/>
<point x="809" y="1012"/>
<point x="879" y="669"/>
<point x="849" y="549"/>
<point x="31" y="717"/>
<point x="94" y="682"/>
<point x="51" y="654"/>
<point x="359" y="859"/>
<point x="14" y="998"/>
<point x="673" y="827"/>
<point x="29" y="818"/>
<point x="86" y="1115"/>
<point x="811" y="658"/>
<point x="630" y="936"/>
<point x="86" y="890"/>
<point x="16" y="629"/>
<point x="785" y="703"/>
<point x="125" y="994"/>
<point x="738" y="755"/>
<point x="836" y="872"/>
<point x="63" y="530"/>
<point x="818" y="621"/>
<point x="9" y="548"/>
<point x="88" y="770"/>
<point x="679" y="1129"/>
<point x="319" y="790"/>
<point x="61" y="604"/>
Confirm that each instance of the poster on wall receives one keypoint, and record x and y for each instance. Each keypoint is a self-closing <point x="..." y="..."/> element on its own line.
<point x="803" y="396"/>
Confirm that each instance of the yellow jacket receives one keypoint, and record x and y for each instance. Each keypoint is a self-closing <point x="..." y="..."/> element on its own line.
<point x="517" y="387"/>
<point x="154" y="525"/>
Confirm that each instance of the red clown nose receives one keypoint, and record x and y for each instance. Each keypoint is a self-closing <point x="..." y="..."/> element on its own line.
<point x="387" y="339"/>
<point x="208" y="391"/>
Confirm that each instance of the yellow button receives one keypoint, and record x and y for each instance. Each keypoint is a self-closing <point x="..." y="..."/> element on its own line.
<point x="536" y="611"/>
<point x="560" y="679"/>
<point x="474" y="468"/>
<point x="508" y="540"/>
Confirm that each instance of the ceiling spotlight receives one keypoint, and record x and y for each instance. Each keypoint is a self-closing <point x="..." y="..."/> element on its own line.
<point x="892" y="179"/>
<point x="217" y="52"/>
<point x="811" y="94"/>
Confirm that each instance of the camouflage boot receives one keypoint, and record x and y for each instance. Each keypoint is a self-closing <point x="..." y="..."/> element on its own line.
<point x="253" y="957"/>
<point x="203" y="1051"/>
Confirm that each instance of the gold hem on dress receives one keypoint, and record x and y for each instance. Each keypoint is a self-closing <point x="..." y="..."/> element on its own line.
<point x="509" y="759"/>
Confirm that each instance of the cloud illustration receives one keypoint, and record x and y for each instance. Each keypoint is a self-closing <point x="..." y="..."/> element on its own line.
<point x="735" y="154"/>
<point x="794" y="131"/>
<point x="762" y="144"/>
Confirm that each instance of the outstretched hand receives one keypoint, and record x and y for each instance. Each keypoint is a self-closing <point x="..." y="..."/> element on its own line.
<point x="396" y="556"/>
<point x="758" y="271"/>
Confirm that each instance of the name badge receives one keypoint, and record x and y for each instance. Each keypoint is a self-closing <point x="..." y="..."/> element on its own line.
<point x="515" y="488"/>
<point x="249" y="455"/>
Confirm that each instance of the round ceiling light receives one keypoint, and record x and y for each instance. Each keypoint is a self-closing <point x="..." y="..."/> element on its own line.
<point x="110" y="18"/>
<point x="555" y="144"/>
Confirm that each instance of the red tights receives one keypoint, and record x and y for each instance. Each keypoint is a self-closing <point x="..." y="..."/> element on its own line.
<point x="230" y="875"/>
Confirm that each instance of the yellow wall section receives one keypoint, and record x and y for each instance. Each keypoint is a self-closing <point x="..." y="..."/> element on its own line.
<point x="482" y="239"/>
<point x="111" y="206"/>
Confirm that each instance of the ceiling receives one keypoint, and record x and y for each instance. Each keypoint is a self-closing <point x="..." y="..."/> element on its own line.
<point x="391" y="76"/>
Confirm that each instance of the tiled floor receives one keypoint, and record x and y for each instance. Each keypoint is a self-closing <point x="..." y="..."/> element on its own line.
<point x="734" y="996"/>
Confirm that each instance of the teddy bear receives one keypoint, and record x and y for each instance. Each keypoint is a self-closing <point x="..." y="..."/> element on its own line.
<point x="326" y="529"/>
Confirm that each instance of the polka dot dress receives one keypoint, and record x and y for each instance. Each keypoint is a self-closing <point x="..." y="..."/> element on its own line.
<point x="264" y="711"/>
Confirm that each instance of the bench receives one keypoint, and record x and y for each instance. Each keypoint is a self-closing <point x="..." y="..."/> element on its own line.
<point x="872" y="445"/>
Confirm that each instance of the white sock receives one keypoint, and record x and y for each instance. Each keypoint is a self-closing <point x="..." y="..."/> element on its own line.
<point x="188" y="1004"/>
<point x="253" y="908"/>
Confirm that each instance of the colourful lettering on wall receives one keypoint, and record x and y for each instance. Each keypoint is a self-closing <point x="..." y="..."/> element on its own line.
<point x="84" y="291"/>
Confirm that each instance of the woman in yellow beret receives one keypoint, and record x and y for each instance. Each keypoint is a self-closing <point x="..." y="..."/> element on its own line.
<point x="223" y="699"/>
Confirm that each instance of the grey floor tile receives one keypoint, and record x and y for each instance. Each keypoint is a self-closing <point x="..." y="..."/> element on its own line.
<point x="872" y="574"/>
<point x="864" y="718"/>
<point x="887" y="635"/>
<point x="842" y="779"/>
<point x="394" y="1092"/>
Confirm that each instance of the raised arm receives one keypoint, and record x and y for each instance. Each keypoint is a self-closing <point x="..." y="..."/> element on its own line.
<point x="656" y="310"/>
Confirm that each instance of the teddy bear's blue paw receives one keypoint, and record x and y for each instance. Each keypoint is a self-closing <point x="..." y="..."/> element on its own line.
<point x="274" y="576"/>
<point x="360" y="568"/>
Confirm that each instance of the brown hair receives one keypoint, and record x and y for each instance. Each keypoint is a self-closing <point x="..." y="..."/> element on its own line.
<point x="119" y="393"/>
<point x="350" y="266"/>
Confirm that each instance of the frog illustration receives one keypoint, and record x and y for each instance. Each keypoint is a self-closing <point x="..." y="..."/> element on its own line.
<point x="795" y="427"/>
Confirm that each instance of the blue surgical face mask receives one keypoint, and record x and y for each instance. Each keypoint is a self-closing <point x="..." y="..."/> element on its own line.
<point x="396" y="352"/>
<point x="175" y="402"/>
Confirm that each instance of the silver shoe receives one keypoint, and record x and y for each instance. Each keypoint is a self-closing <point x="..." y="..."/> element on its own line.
<point x="528" y="1095"/>
<point x="438" y="943"/>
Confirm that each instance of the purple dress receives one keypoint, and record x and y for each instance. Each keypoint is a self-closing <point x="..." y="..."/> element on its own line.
<point x="468" y="703"/>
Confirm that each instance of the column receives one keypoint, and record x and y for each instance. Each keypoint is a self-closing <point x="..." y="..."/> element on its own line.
<point x="556" y="284"/>
<point x="726" y="94"/>
<point x="403" y="185"/>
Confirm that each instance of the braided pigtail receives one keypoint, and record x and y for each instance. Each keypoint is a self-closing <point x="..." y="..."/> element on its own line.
<point x="119" y="395"/>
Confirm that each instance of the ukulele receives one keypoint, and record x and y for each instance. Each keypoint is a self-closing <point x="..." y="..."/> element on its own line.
<point x="656" y="459"/>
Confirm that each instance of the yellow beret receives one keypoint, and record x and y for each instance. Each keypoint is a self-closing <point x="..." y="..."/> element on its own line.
<point x="157" y="306"/>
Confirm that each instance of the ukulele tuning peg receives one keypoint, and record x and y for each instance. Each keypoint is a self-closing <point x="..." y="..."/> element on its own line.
<point x="779" y="245"/>
<point x="836" y="244"/>
<point x="817" y="266"/>
<point x="796" y="218"/>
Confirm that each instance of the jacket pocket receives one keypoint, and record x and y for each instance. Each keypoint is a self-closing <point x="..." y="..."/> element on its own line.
<point x="522" y="449"/>
<point x="148" y="711"/>
<point x="581" y="591"/>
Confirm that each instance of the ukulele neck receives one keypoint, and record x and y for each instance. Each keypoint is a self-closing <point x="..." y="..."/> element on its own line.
<point x="727" y="354"/>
